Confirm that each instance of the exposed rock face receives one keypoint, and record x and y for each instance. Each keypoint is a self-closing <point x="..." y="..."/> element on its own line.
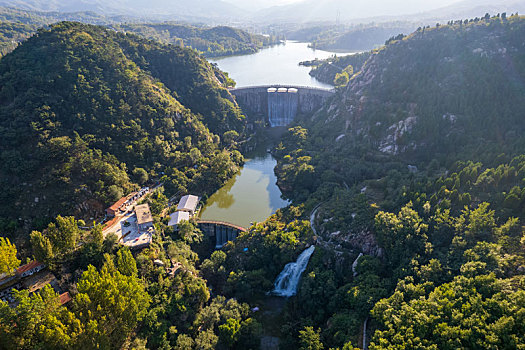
<point x="390" y="144"/>
<point x="412" y="97"/>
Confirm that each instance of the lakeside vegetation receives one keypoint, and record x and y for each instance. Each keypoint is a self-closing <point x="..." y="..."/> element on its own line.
<point x="337" y="70"/>
<point x="212" y="42"/>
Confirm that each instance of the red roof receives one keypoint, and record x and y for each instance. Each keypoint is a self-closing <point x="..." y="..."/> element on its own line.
<point x="65" y="298"/>
<point x="118" y="204"/>
<point x="28" y="267"/>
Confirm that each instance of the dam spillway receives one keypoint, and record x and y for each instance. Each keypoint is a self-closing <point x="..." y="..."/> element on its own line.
<point x="279" y="105"/>
<point x="282" y="106"/>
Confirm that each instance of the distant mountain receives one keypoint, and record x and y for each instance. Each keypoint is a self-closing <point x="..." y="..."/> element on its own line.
<point x="142" y="8"/>
<point x="330" y="10"/>
<point x="254" y="5"/>
<point x="474" y="8"/>
<point x="377" y="10"/>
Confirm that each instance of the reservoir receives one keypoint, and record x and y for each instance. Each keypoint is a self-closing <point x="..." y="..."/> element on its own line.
<point x="275" y="65"/>
<point x="252" y="195"/>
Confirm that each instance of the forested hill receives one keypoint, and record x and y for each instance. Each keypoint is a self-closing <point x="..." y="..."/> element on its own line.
<point x="440" y="91"/>
<point x="83" y="109"/>
<point x="211" y="41"/>
<point x="417" y="172"/>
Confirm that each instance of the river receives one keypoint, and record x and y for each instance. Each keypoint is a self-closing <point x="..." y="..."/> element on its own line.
<point x="252" y="195"/>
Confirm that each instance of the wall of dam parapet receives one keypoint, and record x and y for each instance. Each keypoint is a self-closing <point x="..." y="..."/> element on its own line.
<point x="280" y="104"/>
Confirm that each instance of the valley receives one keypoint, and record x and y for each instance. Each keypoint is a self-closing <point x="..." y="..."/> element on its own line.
<point x="289" y="198"/>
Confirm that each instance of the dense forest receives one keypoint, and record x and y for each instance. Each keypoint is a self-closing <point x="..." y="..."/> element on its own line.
<point x="214" y="41"/>
<point x="418" y="164"/>
<point x="17" y="25"/>
<point x="11" y="34"/>
<point x="410" y="182"/>
<point x="82" y="108"/>
<point x="359" y="39"/>
<point x="345" y="38"/>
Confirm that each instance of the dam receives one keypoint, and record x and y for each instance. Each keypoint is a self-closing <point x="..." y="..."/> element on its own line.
<point x="279" y="105"/>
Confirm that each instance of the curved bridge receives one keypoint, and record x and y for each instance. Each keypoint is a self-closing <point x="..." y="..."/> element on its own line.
<point x="280" y="104"/>
<point x="221" y="230"/>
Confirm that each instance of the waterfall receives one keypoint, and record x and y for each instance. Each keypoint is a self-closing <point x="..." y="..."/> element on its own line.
<point x="286" y="283"/>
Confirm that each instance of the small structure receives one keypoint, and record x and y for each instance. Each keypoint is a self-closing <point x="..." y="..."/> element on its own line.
<point x="65" y="298"/>
<point x="177" y="217"/>
<point x="188" y="204"/>
<point x="115" y="208"/>
<point x="123" y="203"/>
<point x="158" y="262"/>
<point x="144" y="217"/>
<point x="29" y="269"/>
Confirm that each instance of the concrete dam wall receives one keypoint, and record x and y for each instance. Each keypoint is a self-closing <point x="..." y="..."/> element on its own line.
<point x="280" y="104"/>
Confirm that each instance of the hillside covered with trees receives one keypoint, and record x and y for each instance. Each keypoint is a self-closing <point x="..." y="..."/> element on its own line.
<point x="418" y="164"/>
<point x="410" y="182"/>
<point x="82" y="108"/>
<point x="210" y="41"/>
<point x="16" y="25"/>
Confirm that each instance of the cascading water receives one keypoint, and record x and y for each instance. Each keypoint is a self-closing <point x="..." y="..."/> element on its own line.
<point x="286" y="283"/>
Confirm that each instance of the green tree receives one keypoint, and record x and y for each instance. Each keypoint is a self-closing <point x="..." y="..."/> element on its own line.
<point x="38" y="322"/>
<point x="96" y="235"/>
<point x="42" y="247"/>
<point x="189" y="232"/>
<point x="230" y="137"/>
<point x="63" y="234"/>
<point x="140" y="175"/>
<point x="229" y="331"/>
<point x="126" y="264"/>
<point x="111" y="305"/>
<point x="341" y="79"/>
<point x="184" y="342"/>
<point x="206" y="340"/>
<point x="309" y="339"/>
<point x="8" y="260"/>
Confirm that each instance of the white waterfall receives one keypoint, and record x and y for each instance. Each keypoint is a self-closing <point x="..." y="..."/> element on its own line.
<point x="286" y="283"/>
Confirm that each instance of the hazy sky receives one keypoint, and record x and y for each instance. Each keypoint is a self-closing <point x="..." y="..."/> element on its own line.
<point x="417" y="5"/>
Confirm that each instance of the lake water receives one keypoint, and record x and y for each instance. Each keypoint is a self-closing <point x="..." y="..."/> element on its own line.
<point x="252" y="195"/>
<point x="275" y="65"/>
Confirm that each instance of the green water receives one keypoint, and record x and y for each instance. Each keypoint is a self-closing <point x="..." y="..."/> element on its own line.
<point x="251" y="196"/>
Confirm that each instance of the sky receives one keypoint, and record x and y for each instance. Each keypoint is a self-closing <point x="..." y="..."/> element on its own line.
<point x="417" y="5"/>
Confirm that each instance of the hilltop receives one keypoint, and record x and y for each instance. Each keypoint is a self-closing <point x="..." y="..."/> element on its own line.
<point x="82" y="108"/>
